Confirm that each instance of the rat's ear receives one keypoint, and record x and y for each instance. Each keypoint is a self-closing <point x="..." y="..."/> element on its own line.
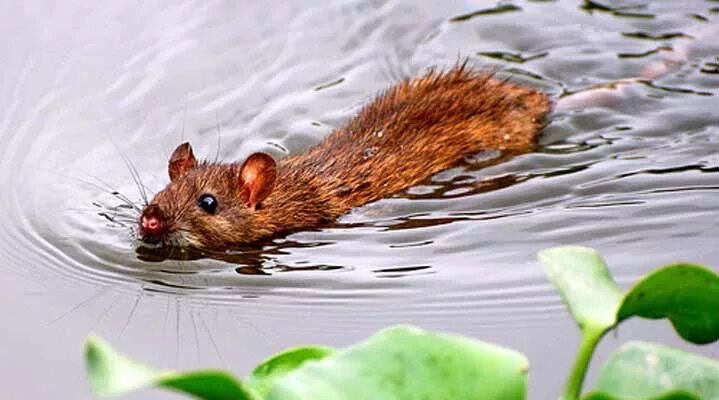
<point x="257" y="179"/>
<point x="181" y="161"/>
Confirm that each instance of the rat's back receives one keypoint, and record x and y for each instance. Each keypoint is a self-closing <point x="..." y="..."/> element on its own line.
<point x="420" y="127"/>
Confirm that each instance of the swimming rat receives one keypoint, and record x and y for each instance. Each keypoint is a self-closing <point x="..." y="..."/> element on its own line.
<point x="406" y="134"/>
<point x="411" y="131"/>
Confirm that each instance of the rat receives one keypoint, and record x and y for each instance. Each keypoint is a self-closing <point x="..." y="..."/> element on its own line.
<point x="406" y="134"/>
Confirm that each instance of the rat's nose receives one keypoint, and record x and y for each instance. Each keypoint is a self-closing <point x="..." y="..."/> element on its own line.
<point x="152" y="225"/>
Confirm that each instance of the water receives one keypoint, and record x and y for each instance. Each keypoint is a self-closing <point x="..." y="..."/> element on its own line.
<point x="86" y="88"/>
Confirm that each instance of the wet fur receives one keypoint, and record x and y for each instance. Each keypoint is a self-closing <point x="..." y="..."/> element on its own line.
<point x="411" y="131"/>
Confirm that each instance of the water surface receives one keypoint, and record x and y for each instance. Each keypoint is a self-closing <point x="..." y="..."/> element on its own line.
<point x="90" y="89"/>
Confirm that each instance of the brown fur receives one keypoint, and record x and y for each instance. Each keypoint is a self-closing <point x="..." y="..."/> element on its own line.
<point x="413" y="130"/>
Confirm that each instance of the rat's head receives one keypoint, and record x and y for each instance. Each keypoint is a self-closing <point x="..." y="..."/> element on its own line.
<point x="207" y="205"/>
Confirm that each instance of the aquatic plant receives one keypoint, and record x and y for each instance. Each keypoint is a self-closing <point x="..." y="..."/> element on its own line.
<point x="686" y="294"/>
<point x="404" y="362"/>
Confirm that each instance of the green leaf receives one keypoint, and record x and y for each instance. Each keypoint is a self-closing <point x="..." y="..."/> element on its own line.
<point x="111" y="373"/>
<point x="677" y="395"/>
<point x="686" y="294"/>
<point x="283" y="363"/>
<point x="645" y="371"/>
<point x="407" y="363"/>
<point x="585" y="284"/>
<point x="592" y="296"/>
<point x="397" y="363"/>
<point x="207" y="385"/>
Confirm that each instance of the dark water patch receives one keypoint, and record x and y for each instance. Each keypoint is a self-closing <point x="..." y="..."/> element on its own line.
<point x="644" y="53"/>
<point x="655" y="37"/>
<point x="630" y="11"/>
<point x="505" y="8"/>
<point x="510" y="57"/>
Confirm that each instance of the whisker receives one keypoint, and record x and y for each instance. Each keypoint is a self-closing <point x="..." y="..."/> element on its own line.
<point x="177" y="328"/>
<point x="105" y="186"/>
<point x="126" y="200"/>
<point x="197" y="338"/>
<point x="101" y="181"/>
<point x="212" y="340"/>
<point x="167" y="316"/>
<point x="182" y="132"/>
<point x="107" y="189"/>
<point x="219" y="138"/>
<point x="102" y="315"/>
<point x="80" y="304"/>
<point x="132" y="313"/>
<point x="133" y="172"/>
<point x="88" y="209"/>
<point x="125" y="220"/>
<point x="141" y="186"/>
<point x="136" y="178"/>
<point x="264" y="335"/>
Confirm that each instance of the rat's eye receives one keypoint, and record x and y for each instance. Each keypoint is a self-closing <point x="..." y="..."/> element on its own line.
<point x="208" y="203"/>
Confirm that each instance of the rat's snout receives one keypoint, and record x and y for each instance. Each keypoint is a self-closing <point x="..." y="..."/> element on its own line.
<point x="152" y="224"/>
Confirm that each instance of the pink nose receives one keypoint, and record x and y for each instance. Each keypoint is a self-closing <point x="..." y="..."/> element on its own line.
<point x="151" y="224"/>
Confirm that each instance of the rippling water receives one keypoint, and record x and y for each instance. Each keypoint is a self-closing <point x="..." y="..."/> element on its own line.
<point x="89" y="90"/>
